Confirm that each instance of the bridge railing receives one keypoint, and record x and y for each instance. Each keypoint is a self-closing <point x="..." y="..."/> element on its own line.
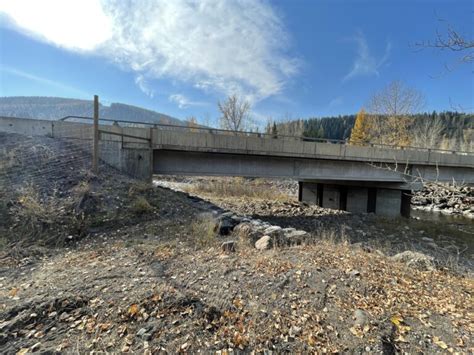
<point x="262" y="135"/>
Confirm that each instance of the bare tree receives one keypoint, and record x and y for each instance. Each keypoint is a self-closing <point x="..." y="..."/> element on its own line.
<point x="235" y="113"/>
<point x="390" y="111"/>
<point x="428" y="133"/>
<point x="453" y="41"/>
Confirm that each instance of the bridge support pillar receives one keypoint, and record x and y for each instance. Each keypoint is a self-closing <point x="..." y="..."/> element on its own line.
<point x="390" y="202"/>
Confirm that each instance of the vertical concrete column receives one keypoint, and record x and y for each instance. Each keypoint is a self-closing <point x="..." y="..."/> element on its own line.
<point x="357" y="199"/>
<point x="388" y="202"/>
<point x="406" y="203"/>
<point x="331" y="196"/>
<point x="307" y="192"/>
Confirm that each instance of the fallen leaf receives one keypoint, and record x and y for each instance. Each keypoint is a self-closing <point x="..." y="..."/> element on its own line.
<point x="133" y="310"/>
<point x="400" y="324"/>
<point x="440" y="343"/>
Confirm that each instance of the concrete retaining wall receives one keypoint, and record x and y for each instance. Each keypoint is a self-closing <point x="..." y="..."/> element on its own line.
<point x="129" y="155"/>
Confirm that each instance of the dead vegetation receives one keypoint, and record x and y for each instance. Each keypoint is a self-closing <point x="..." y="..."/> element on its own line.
<point x="140" y="205"/>
<point x="238" y="187"/>
<point x="203" y="231"/>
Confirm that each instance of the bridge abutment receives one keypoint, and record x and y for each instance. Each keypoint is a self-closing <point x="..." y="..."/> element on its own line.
<point x="390" y="202"/>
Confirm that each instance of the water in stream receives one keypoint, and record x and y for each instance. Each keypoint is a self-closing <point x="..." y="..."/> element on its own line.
<point x="440" y="226"/>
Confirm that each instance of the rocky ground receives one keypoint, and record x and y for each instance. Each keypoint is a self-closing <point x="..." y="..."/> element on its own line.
<point x="449" y="243"/>
<point x="451" y="200"/>
<point x="104" y="263"/>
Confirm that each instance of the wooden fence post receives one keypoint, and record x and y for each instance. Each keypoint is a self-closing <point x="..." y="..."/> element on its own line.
<point x="95" y="141"/>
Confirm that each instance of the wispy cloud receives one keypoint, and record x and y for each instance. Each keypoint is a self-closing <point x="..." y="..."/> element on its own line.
<point x="365" y="63"/>
<point x="143" y="85"/>
<point x="43" y="81"/>
<point x="184" y="102"/>
<point x="337" y="101"/>
<point x="237" y="46"/>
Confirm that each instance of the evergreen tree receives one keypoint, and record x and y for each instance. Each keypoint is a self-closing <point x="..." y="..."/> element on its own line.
<point x="274" y="130"/>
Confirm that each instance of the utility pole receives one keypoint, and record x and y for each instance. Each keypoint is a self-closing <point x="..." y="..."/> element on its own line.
<point x="95" y="140"/>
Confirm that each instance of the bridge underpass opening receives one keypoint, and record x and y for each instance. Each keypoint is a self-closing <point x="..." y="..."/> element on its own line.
<point x="389" y="195"/>
<point x="355" y="198"/>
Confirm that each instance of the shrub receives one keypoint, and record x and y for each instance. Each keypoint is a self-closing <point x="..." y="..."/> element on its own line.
<point x="35" y="215"/>
<point x="140" y="205"/>
<point x="139" y="188"/>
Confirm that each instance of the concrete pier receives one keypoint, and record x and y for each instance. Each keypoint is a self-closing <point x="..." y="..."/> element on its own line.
<point x="377" y="199"/>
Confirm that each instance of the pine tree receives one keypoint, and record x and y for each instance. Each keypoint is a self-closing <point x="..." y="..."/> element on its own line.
<point x="360" y="134"/>
<point x="274" y="130"/>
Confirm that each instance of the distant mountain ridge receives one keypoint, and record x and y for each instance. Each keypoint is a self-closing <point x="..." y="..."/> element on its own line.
<point x="54" y="108"/>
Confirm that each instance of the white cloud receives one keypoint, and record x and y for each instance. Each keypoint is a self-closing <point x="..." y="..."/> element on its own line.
<point x="143" y="85"/>
<point x="184" y="102"/>
<point x="365" y="63"/>
<point x="76" y="25"/>
<point x="236" y="46"/>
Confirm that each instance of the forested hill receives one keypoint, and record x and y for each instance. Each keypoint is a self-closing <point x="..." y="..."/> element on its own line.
<point x="339" y="127"/>
<point x="56" y="107"/>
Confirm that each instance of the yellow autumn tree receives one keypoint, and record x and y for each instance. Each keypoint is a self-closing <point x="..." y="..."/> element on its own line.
<point x="361" y="133"/>
<point x="192" y="123"/>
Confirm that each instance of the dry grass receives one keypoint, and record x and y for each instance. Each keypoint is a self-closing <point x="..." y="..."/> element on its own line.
<point x="238" y="187"/>
<point x="137" y="191"/>
<point x="140" y="205"/>
<point x="139" y="188"/>
<point x="8" y="160"/>
<point x="36" y="214"/>
<point x="204" y="232"/>
<point x="82" y="189"/>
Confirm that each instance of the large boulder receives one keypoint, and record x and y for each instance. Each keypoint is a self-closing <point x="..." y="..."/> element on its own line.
<point x="264" y="243"/>
<point x="273" y="231"/>
<point x="296" y="237"/>
<point x="247" y="232"/>
<point x="416" y="260"/>
<point x="225" y="223"/>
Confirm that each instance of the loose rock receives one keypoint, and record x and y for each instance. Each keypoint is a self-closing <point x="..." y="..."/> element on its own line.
<point x="228" y="247"/>
<point x="263" y="243"/>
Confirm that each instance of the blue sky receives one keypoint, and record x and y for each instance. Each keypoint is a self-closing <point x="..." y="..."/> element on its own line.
<point x="298" y="58"/>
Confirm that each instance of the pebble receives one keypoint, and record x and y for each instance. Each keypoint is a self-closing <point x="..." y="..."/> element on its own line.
<point x="35" y="347"/>
<point x="360" y="317"/>
<point x="141" y="332"/>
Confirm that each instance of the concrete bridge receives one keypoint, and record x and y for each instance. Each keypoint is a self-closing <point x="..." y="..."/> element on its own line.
<point x="373" y="178"/>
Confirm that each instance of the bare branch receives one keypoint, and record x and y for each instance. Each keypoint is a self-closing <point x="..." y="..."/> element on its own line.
<point x="453" y="41"/>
